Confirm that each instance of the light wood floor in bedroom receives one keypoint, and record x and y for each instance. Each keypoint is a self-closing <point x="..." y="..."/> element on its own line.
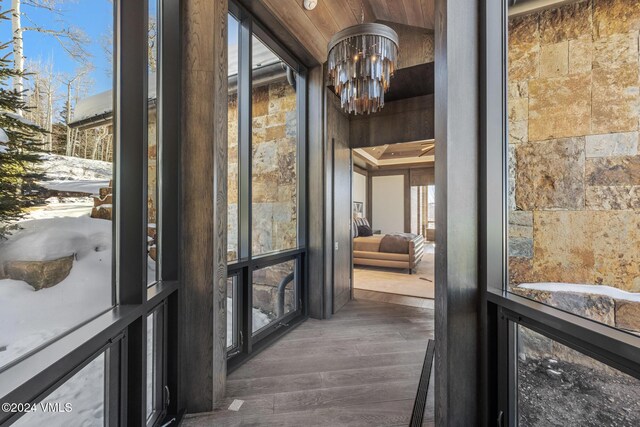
<point x="361" y="368"/>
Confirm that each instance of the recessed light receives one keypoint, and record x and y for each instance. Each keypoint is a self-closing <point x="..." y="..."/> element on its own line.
<point x="310" y="4"/>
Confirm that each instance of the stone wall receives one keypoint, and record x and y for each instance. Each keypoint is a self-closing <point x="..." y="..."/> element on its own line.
<point x="274" y="182"/>
<point x="574" y="168"/>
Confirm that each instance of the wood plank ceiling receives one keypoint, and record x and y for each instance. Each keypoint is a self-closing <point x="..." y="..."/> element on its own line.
<point x="314" y="28"/>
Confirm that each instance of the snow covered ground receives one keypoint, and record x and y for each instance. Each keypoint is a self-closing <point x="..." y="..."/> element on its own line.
<point x="73" y="174"/>
<point x="29" y="318"/>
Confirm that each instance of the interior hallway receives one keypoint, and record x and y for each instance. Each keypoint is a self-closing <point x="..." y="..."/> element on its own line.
<point x="361" y="368"/>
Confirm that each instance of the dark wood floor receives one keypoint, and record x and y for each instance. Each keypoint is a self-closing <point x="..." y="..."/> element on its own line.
<point x="361" y="368"/>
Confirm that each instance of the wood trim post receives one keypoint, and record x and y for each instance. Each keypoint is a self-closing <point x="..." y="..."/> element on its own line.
<point x="204" y="203"/>
<point x="457" y="80"/>
<point x="316" y="194"/>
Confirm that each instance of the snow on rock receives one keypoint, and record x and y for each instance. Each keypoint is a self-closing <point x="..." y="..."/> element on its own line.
<point x="54" y="238"/>
<point x="28" y="318"/>
<point x="74" y="174"/>
<point x="583" y="289"/>
<point x="66" y="207"/>
<point x="80" y="186"/>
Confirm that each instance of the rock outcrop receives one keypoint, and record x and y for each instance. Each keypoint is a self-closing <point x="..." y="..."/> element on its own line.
<point x="39" y="274"/>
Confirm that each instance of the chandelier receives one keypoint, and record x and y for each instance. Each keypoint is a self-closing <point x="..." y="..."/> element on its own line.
<point x="361" y="61"/>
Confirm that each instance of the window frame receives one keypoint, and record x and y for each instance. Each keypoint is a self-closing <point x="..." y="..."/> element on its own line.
<point x="122" y="329"/>
<point x="500" y="310"/>
<point x="246" y="262"/>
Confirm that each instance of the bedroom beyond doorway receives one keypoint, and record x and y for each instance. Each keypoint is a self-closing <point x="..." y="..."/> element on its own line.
<point x="393" y="223"/>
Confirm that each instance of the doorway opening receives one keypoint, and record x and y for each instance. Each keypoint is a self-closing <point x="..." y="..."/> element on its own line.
<point x="393" y="217"/>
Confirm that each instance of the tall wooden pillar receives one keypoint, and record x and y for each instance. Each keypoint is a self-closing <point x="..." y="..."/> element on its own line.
<point x="204" y="203"/>
<point x="457" y="133"/>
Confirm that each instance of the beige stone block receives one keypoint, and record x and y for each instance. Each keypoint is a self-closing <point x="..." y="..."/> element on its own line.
<point x="615" y="16"/>
<point x="554" y="59"/>
<point x="518" y="132"/>
<point x="521" y="271"/>
<point x="623" y="170"/>
<point x="560" y="107"/>
<point x="609" y="197"/>
<point x="259" y="122"/>
<point x="628" y="315"/>
<point x="260" y="101"/>
<point x="590" y="247"/>
<point x="278" y="118"/>
<point x="615" y="50"/>
<point x="258" y="135"/>
<point x="518" y="109"/>
<point x="518" y="101"/>
<point x="613" y="144"/>
<point x="616" y="99"/>
<point x="567" y="22"/>
<point x="275" y="133"/>
<point x="517" y="90"/>
<point x="580" y="55"/>
<point x="524" y="48"/>
<point x="550" y="174"/>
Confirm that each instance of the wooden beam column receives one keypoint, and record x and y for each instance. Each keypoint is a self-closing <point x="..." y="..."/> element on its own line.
<point x="457" y="136"/>
<point x="204" y="204"/>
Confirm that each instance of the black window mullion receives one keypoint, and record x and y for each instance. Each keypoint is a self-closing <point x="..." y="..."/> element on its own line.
<point x="130" y="190"/>
<point x="245" y="48"/>
<point x="244" y="137"/>
<point x="168" y="113"/>
<point x="301" y="153"/>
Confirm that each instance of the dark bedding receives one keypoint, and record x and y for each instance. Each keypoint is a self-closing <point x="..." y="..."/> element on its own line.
<point x="396" y="243"/>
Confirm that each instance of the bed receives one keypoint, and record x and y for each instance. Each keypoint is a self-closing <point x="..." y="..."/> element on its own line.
<point x="374" y="251"/>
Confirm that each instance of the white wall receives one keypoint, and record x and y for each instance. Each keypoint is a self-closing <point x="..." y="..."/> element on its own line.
<point x="359" y="188"/>
<point x="387" y="203"/>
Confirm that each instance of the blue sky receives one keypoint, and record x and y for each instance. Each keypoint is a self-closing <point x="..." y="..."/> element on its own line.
<point x="93" y="17"/>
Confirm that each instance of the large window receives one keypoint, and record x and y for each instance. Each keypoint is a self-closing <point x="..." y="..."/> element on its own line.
<point x="87" y="316"/>
<point x="274" y="152"/>
<point x="56" y="173"/>
<point x="573" y="110"/>
<point x="560" y="239"/>
<point x="266" y="185"/>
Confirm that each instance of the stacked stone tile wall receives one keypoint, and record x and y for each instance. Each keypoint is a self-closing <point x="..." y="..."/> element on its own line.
<point x="274" y="181"/>
<point x="574" y="166"/>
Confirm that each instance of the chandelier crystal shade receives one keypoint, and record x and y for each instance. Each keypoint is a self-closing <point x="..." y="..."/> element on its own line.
<point x="361" y="62"/>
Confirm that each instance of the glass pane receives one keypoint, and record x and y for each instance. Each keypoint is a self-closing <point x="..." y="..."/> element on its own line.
<point x="275" y="293"/>
<point x="151" y="368"/>
<point x="275" y="133"/>
<point x="574" y="187"/>
<point x="152" y="143"/>
<point x="232" y="171"/>
<point x="56" y="170"/>
<point x="558" y="386"/>
<point x="78" y="402"/>
<point x="232" y="312"/>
